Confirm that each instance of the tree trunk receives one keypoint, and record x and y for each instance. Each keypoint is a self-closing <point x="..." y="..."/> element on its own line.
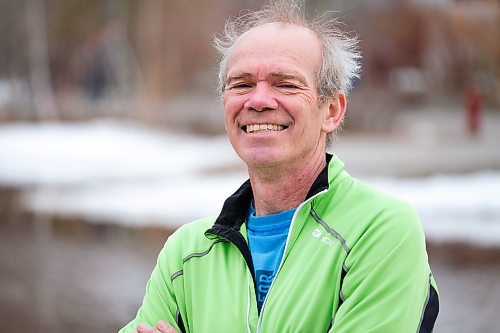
<point x="41" y="87"/>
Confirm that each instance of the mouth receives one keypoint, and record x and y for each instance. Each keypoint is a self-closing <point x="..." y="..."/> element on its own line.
<point x="255" y="128"/>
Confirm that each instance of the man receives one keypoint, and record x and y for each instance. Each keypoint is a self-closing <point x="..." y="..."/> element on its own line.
<point x="302" y="246"/>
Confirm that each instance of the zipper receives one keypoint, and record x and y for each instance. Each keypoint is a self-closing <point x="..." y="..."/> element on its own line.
<point x="259" y="323"/>
<point x="249" y="293"/>
<point x="250" y="275"/>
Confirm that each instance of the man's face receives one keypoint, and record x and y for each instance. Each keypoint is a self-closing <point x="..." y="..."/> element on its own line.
<point x="271" y="109"/>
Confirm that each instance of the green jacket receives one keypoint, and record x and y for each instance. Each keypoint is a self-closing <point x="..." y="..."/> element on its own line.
<point x="354" y="261"/>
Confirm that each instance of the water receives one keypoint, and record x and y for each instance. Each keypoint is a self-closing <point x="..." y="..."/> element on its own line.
<point x="469" y="286"/>
<point x="72" y="278"/>
<point x="67" y="276"/>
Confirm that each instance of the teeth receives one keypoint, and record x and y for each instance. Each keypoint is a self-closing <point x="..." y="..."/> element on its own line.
<point x="264" y="127"/>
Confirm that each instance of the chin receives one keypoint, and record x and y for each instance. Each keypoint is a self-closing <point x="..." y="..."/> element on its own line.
<point x="261" y="157"/>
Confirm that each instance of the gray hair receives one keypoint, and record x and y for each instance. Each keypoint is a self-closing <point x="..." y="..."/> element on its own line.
<point x="340" y="60"/>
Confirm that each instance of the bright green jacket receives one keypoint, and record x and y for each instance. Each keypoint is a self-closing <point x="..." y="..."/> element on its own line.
<point x="355" y="261"/>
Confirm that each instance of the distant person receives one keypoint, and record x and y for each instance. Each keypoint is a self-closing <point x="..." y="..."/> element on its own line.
<point x="301" y="246"/>
<point x="473" y="110"/>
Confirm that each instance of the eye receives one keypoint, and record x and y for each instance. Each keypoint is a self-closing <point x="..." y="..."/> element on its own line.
<point x="240" y="86"/>
<point x="287" y="85"/>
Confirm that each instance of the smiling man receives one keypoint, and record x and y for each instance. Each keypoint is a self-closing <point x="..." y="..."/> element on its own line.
<point x="301" y="246"/>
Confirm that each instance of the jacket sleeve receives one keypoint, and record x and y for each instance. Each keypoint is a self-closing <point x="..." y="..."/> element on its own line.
<point x="159" y="301"/>
<point x="387" y="287"/>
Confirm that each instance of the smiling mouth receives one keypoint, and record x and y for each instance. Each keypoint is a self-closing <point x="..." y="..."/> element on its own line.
<point x="254" y="128"/>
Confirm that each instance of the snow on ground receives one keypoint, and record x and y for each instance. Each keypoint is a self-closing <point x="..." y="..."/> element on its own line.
<point x="128" y="175"/>
<point x="168" y="203"/>
<point x="75" y="154"/>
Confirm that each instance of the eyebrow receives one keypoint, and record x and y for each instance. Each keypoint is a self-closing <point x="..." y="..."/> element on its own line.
<point x="241" y="76"/>
<point x="274" y="76"/>
<point x="293" y="77"/>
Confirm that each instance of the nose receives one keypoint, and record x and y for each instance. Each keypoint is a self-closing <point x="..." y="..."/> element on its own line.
<point x="261" y="98"/>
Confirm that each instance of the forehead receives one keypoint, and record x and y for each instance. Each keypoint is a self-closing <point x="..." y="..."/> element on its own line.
<point x="276" y="45"/>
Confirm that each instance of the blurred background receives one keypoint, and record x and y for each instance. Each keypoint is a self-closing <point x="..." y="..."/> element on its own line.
<point x="111" y="127"/>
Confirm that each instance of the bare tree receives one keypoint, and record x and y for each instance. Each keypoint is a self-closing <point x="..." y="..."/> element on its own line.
<point x="41" y="86"/>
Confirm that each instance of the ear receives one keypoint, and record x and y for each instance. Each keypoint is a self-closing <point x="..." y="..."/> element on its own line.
<point x="335" y="112"/>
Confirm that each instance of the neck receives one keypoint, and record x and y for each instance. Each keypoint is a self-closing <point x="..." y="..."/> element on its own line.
<point x="284" y="188"/>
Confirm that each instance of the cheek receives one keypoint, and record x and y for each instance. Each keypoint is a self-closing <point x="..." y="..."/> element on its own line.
<point x="232" y="107"/>
<point x="300" y="108"/>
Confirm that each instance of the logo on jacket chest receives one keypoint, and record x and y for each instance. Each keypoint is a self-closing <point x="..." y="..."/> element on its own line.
<point x="316" y="233"/>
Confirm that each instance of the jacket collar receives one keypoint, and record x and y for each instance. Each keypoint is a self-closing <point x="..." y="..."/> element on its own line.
<point x="235" y="208"/>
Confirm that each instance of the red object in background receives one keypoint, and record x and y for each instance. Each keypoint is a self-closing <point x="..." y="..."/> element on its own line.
<point x="473" y="109"/>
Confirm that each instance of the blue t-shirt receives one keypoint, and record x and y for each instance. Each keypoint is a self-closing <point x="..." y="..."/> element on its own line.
<point x="266" y="239"/>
